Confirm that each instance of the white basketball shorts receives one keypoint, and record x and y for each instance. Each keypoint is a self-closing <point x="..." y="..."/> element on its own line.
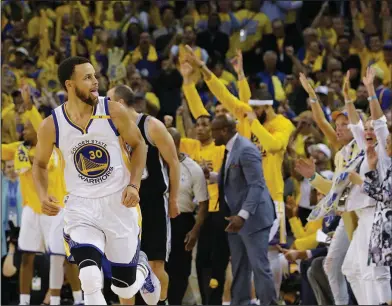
<point x="56" y="240"/>
<point x="103" y="223"/>
<point x="34" y="231"/>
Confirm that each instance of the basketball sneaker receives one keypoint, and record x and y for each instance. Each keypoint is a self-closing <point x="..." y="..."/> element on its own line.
<point x="151" y="289"/>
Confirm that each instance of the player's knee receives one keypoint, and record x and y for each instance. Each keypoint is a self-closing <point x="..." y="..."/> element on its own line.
<point x="91" y="279"/>
<point x="89" y="260"/>
<point x="123" y="279"/>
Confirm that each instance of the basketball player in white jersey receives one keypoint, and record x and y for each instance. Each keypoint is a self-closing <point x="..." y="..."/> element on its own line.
<point x="160" y="178"/>
<point x="100" y="215"/>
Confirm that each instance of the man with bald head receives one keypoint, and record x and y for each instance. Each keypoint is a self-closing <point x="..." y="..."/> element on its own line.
<point x="185" y="230"/>
<point x="247" y="205"/>
<point x="159" y="185"/>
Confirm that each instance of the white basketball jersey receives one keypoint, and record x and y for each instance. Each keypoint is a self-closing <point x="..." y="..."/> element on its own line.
<point x="94" y="166"/>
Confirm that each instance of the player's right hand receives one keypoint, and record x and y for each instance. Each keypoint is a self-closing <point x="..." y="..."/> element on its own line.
<point x="174" y="211"/>
<point x="50" y="206"/>
<point x="130" y="197"/>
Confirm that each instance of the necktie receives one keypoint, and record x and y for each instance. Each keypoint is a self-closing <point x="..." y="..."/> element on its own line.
<point x="223" y="207"/>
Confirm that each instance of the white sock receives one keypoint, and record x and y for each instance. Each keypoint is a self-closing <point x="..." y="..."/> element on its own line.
<point x="24" y="299"/>
<point x="54" y="300"/>
<point x="56" y="274"/>
<point x="253" y="301"/>
<point x="225" y="303"/>
<point x="78" y="297"/>
<point x="95" y="298"/>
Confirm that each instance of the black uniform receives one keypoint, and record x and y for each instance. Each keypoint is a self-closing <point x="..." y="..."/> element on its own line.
<point x="153" y="200"/>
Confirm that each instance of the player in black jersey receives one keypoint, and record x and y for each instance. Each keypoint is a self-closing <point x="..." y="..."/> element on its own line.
<point x="159" y="186"/>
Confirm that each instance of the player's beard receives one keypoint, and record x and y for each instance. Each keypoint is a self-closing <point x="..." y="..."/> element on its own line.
<point x="86" y="99"/>
<point x="263" y="117"/>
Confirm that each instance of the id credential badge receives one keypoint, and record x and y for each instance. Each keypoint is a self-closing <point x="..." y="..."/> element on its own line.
<point x="243" y="35"/>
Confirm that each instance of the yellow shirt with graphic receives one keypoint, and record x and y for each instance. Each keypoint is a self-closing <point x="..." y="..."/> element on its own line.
<point x="23" y="158"/>
<point x="254" y="26"/>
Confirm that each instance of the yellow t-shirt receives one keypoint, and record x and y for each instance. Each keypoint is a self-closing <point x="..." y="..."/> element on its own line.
<point x="368" y="57"/>
<point x="316" y="65"/>
<point x="33" y="27"/>
<point x="329" y="34"/>
<point x="210" y="155"/>
<point x="254" y="26"/>
<point x="387" y="72"/>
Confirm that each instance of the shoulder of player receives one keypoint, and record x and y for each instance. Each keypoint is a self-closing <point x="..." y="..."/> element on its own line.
<point x="47" y="129"/>
<point x="48" y="125"/>
<point x="155" y="128"/>
<point x="119" y="115"/>
<point x="116" y="109"/>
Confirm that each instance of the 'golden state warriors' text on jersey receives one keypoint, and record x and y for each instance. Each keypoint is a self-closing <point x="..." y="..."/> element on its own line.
<point x="94" y="166"/>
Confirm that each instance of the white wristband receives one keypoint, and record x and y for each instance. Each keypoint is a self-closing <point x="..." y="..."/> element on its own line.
<point x="348" y="101"/>
<point x="313" y="100"/>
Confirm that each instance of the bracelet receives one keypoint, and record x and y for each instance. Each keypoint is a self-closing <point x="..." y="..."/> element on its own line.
<point x="313" y="100"/>
<point x="372" y="98"/>
<point x="348" y="101"/>
<point x="133" y="186"/>
<point x="313" y="177"/>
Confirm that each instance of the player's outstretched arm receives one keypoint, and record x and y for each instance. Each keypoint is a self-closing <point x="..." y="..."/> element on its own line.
<point x="44" y="149"/>
<point x="132" y="136"/>
<point x="165" y="144"/>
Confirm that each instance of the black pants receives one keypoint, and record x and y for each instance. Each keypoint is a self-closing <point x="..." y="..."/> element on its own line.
<point x="212" y="258"/>
<point x="180" y="261"/>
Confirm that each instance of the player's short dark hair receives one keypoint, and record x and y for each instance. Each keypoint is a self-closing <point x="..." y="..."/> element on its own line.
<point x="126" y="93"/>
<point x="67" y="68"/>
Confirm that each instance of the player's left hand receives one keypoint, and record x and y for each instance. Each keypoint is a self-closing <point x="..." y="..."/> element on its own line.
<point x="190" y="239"/>
<point x="130" y="197"/>
<point x="235" y="225"/>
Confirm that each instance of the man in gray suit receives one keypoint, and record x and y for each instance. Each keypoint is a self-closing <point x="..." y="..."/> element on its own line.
<point x="247" y="205"/>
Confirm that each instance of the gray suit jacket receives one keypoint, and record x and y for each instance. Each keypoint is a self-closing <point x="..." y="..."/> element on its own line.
<point x="245" y="186"/>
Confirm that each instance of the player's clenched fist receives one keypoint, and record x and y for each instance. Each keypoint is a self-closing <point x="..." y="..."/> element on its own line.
<point x="50" y="206"/>
<point x="130" y="196"/>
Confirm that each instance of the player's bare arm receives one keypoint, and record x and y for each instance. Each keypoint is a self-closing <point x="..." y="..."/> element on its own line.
<point x="165" y="144"/>
<point x="132" y="136"/>
<point x="46" y="139"/>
